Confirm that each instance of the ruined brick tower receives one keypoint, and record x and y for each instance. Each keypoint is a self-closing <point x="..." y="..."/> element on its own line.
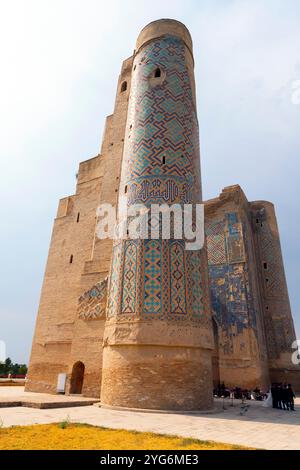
<point x="134" y="321"/>
<point x="157" y="339"/>
<point x="252" y="319"/>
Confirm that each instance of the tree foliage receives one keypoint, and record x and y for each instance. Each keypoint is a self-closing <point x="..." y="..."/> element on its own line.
<point x="8" y="367"/>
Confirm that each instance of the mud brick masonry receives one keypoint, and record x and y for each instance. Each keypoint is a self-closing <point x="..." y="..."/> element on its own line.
<point x="146" y="323"/>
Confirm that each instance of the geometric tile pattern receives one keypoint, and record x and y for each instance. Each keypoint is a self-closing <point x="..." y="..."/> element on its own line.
<point x="153" y="276"/>
<point x="92" y="304"/>
<point x="234" y="302"/>
<point x="177" y="268"/>
<point x="160" y="165"/>
<point x="215" y="238"/>
<point x="216" y="249"/>
<point x="112" y="308"/>
<point x="281" y="333"/>
<point x="214" y="228"/>
<point x="129" y="278"/>
<point x="164" y="126"/>
<point x="223" y="248"/>
<point x="195" y="291"/>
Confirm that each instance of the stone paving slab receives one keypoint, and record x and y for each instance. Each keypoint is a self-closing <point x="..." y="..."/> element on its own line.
<point x="261" y="427"/>
<point x="15" y="396"/>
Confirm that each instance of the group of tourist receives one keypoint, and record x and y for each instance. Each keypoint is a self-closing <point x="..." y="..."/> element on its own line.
<point x="280" y="396"/>
<point x="238" y="393"/>
<point x="283" y="397"/>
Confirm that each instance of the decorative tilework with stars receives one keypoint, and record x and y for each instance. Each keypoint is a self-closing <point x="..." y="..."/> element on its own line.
<point x="162" y="126"/>
<point x="154" y="278"/>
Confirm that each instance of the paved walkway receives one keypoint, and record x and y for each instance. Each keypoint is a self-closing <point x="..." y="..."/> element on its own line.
<point x="12" y="396"/>
<point x="260" y="427"/>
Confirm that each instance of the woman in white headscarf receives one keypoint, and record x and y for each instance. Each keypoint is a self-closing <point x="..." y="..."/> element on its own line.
<point x="268" y="402"/>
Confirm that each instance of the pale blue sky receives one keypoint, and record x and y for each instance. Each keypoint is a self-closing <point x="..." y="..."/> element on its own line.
<point x="60" y="62"/>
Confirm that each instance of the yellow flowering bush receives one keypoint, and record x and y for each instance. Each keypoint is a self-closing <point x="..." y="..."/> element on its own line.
<point x="67" y="436"/>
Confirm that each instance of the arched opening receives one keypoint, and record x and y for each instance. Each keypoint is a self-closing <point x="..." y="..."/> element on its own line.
<point x="77" y="378"/>
<point x="123" y="87"/>
<point x="157" y="72"/>
<point x="215" y="355"/>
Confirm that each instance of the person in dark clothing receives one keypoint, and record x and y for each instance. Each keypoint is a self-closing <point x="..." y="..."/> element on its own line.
<point x="274" y="396"/>
<point x="284" y="397"/>
<point x="279" y="392"/>
<point x="290" y="397"/>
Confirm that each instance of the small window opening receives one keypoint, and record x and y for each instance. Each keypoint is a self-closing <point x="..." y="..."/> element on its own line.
<point x="157" y="73"/>
<point x="267" y="280"/>
<point x="265" y="265"/>
<point x="134" y="67"/>
<point x="123" y="87"/>
<point x="71" y="259"/>
<point x="257" y="221"/>
<point x="267" y="308"/>
<point x="163" y="160"/>
<point x="261" y="224"/>
<point x="126" y="189"/>
<point x="130" y="126"/>
<point x="78" y="217"/>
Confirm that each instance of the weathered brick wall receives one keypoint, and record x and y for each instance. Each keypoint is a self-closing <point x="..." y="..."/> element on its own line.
<point x="275" y="299"/>
<point x="234" y="291"/>
<point x="71" y="245"/>
<point x="63" y="337"/>
<point x="157" y="377"/>
<point x="249" y="293"/>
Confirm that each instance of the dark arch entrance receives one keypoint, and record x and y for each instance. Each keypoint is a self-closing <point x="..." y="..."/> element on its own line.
<point x="215" y="355"/>
<point x="77" y="378"/>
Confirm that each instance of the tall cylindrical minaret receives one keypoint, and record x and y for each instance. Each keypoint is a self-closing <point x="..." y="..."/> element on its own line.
<point x="158" y="334"/>
<point x="277" y="315"/>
